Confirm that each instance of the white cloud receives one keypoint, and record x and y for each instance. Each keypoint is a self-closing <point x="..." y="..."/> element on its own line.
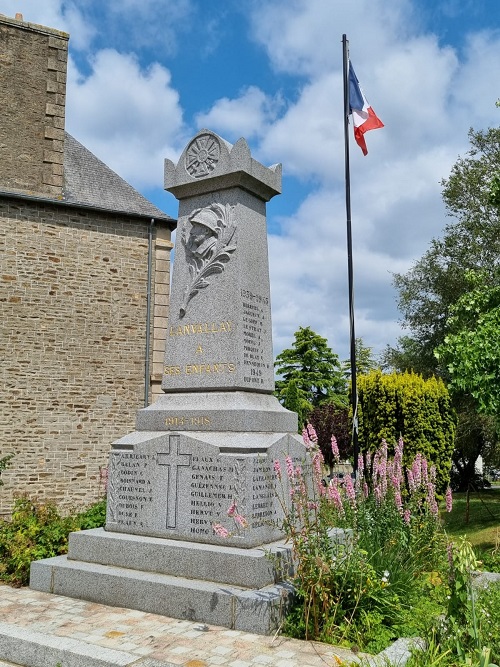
<point x="304" y="36"/>
<point x="248" y="115"/>
<point x="59" y="14"/>
<point x="128" y="116"/>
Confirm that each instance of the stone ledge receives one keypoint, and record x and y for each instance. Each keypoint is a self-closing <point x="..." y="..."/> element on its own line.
<point x="28" y="647"/>
<point x="250" y="568"/>
<point x="257" y="611"/>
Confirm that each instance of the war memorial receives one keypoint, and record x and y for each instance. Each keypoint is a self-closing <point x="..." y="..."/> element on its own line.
<point x="193" y="514"/>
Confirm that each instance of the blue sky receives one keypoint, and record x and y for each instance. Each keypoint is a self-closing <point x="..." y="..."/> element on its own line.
<point x="146" y="75"/>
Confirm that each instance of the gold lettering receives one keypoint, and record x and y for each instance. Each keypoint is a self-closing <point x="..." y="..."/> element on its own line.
<point x="172" y="370"/>
<point x="199" y="350"/>
<point x="200" y="327"/>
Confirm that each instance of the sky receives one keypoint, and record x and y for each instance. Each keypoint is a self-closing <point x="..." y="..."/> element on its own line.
<point x="144" y="76"/>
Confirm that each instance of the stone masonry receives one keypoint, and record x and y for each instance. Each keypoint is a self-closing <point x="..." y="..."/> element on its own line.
<point x="33" y="60"/>
<point x="73" y="294"/>
<point x="74" y="249"/>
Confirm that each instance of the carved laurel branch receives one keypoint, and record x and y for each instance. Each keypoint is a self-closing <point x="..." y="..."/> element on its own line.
<point x="113" y="477"/>
<point x="201" y="269"/>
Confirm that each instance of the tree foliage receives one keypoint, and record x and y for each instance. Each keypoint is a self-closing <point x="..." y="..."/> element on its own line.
<point x="314" y="370"/>
<point x="365" y="360"/>
<point x="429" y="291"/>
<point x="471" y="349"/>
<point x="406" y="405"/>
<point x="329" y="419"/>
<point x="472" y="241"/>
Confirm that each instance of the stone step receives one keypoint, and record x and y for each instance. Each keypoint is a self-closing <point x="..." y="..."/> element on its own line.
<point x="28" y="648"/>
<point x="259" y="611"/>
<point x="245" y="568"/>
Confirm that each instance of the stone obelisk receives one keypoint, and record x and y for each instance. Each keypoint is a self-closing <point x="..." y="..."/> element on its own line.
<point x="192" y="497"/>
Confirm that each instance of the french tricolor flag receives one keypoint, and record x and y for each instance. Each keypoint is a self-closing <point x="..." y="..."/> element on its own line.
<point x="363" y="116"/>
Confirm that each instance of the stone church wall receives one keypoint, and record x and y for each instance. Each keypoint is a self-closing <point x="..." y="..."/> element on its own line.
<point x="73" y="295"/>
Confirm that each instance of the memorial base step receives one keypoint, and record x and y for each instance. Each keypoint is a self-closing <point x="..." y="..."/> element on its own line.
<point x="138" y="574"/>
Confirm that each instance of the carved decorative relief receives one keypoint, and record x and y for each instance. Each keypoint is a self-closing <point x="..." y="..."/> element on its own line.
<point x="202" y="155"/>
<point x="208" y="238"/>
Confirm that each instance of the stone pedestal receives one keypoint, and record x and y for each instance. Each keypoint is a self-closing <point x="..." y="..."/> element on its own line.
<point x="194" y="504"/>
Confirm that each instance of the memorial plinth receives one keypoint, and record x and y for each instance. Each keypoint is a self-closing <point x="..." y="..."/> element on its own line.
<point x="200" y="463"/>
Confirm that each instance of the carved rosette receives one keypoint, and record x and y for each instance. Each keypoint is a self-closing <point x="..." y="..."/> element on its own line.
<point x="208" y="239"/>
<point x="202" y="155"/>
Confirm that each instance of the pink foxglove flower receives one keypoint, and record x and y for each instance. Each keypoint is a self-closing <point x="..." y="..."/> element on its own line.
<point x="449" y="500"/>
<point x="289" y="467"/>
<point x="317" y="463"/>
<point x="335" y="449"/>
<point x="411" y="482"/>
<point x="240" y="520"/>
<point x="305" y="438"/>
<point x="349" y="490"/>
<point x="398" y="501"/>
<point x="335" y="497"/>
<point x="407" y="517"/>
<point x="232" y="509"/>
<point x="219" y="530"/>
<point x="277" y="468"/>
<point x="311" y="432"/>
<point x="361" y="465"/>
<point x="431" y="498"/>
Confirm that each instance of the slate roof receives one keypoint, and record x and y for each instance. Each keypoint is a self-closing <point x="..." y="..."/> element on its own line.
<point x="89" y="182"/>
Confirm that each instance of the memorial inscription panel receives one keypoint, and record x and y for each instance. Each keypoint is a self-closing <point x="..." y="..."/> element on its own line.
<point x="180" y="491"/>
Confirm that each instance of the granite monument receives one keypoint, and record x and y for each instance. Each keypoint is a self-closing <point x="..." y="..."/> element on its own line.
<point x="193" y="511"/>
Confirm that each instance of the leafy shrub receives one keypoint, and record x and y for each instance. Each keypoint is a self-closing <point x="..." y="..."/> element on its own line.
<point x="37" y="530"/>
<point x="405" y="405"/>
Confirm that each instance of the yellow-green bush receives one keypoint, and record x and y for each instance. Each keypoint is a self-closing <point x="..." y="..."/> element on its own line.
<point x="406" y="405"/>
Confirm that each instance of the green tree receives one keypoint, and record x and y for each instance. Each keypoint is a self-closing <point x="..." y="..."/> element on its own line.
<point x="314" y="369"/>
<point x="365" y="360"/>
<point x="429" y="289"/>
<point x="471" y="349"/>
<point x="329" y="419"/>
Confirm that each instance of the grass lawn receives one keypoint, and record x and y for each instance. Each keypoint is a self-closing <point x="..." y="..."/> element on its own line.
<point x="483" y="526"/>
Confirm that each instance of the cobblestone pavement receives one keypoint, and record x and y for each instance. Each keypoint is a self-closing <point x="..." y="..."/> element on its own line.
<point x="158" y="638"/>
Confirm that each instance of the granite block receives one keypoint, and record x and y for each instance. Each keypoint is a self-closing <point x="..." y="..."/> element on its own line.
<point x="35" y="649"/>
<point x="258" y="611"/>
<point x="217" y="411"/>
<point x="181" y="485"/>
<point x="247" y="568"/>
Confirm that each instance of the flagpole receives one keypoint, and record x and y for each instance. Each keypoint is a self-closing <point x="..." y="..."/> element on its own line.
<point x="354" y="389"/>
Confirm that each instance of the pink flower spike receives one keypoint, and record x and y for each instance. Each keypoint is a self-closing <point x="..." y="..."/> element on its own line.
<point x="449" y="500"/>
<point x="219" y="530"/>
<point x="305" y="438"/>
<point x="289" y="467"/>
<point x="277" y="468"/>
<point x="407" y="517"/>
<point x="240" y="520"/>
<point x="311" y="431"/>
<point x="335" y="449"/>
<point x="232" y="509"/>
<point x="361" y="465"/>
<point x="349" y="489"/>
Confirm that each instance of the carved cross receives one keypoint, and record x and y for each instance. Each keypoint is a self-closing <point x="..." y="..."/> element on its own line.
<point x="173" y="459"/>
